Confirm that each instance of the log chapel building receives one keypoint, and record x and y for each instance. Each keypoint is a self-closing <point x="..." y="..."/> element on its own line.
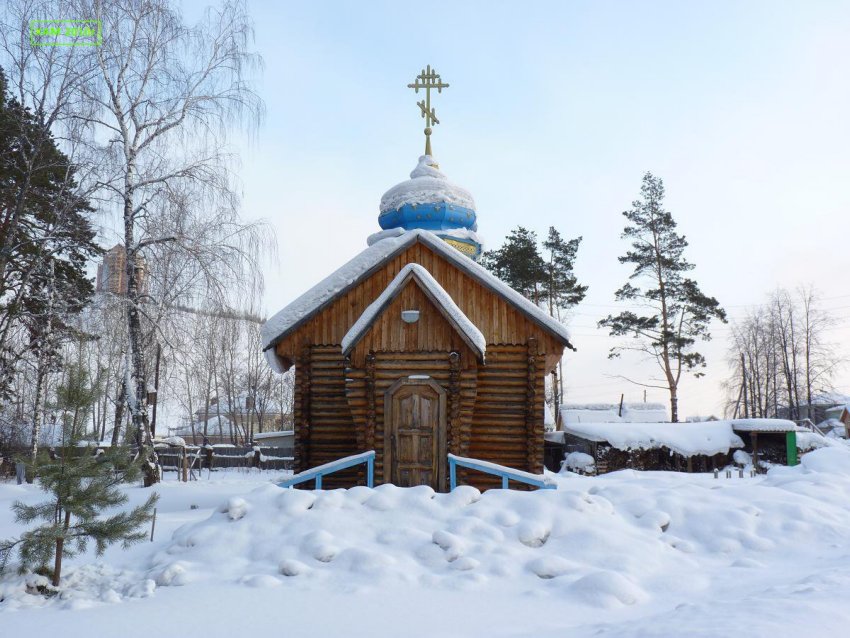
<point x="414" y="350"/>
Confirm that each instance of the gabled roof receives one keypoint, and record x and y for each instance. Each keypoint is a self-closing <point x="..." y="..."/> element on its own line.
<point x="370" y="260"/>
<point x="435" y="292"/>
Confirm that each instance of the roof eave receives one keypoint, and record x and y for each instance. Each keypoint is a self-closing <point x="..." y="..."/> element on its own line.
<point x="429" y="239"/>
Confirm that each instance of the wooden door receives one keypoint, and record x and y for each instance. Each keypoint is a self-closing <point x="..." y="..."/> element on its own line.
<point x="415" y="433"/>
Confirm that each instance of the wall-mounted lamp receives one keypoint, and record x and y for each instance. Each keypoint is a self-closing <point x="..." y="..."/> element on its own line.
<point x="410" y="316"/>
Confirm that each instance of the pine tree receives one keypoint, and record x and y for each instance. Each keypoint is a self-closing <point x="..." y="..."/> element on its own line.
<point x="80" y="490"/>
<point x="518" y="263"/>
<point x="76" y="395"/>
<point x="562" y="291"/>
<point x="675" y="311"/>
<point x="561" y="287"/>
<point x="545" y="280"/>
<point x="46" y="239"/>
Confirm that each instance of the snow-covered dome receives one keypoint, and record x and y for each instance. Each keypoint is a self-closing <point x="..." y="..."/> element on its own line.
<point x="431" y="202"/>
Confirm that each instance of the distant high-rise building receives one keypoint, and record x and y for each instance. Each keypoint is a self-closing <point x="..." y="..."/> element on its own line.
<point x="112" y="272"/>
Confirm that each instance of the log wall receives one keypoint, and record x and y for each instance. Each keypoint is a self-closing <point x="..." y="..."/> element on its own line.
<point x="494" y="412"/>
<point x="324" y="429"/>
<point x="507" y="422"/>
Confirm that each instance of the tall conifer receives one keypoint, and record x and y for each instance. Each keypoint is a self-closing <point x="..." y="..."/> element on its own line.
<point x="671" y="313"/>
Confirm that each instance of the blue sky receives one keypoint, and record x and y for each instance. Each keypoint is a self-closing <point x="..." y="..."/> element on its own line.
<point x="555" y="111"/>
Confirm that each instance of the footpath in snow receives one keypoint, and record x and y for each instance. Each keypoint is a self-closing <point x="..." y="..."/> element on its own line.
<point x="626" y="554"/>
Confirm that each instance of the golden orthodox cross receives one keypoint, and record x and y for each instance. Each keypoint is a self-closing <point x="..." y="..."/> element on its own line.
<point x="428" y="79"/>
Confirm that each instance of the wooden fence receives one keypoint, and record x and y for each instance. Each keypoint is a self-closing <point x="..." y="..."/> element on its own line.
<point x="218" y="458"/>
<point x="171" y="458"/>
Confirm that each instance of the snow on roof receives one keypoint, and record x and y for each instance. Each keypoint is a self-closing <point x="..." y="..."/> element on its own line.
<point x="274" y="435"/>
<point x="427" y="185"/>
<point x="837" y="411"/>
<point x="763" y="425"/>
<point x="454" y="315"/>
<point x="579" y="415"/>
<point x="455" y="233"/>
<point x="609" y="413"/>
<point x="830" y="399"/>
<point x="830" y="424"/>
<point x="636" y="413"/>
<point x="811" y="441"/>
<point x="687" y="439"/>
<point x="348" y="275"/>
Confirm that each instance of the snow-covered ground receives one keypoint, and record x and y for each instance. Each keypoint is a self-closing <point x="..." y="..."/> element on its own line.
<point x="626" y="554"/>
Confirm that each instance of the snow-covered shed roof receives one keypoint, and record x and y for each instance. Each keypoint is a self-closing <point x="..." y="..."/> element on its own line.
<point x="764" y="425"/>
<point x="687" y="439"/>
<point x="367" y="262"/>
<point x="610" y="413"/>
<point x="438" y="296"/>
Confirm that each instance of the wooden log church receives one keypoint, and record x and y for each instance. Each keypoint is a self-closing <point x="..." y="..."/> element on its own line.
<point x="414" y="350"/>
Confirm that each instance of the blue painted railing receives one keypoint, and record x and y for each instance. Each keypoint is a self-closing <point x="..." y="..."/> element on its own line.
<point x="508" y="474"/>
<point x="316" y="473"/>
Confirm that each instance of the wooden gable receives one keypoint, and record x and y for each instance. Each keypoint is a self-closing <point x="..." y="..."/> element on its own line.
<point x="500" y="321"/>
<point x="433" y="331"/>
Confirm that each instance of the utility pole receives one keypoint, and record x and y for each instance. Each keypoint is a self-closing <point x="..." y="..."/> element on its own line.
<point x="744" y="385"/>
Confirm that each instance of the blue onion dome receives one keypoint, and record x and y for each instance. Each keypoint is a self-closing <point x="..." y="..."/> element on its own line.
<point x="431" y="202"/>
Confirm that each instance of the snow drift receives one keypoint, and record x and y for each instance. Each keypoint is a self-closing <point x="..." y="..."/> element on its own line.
<point x="618" y="540"/>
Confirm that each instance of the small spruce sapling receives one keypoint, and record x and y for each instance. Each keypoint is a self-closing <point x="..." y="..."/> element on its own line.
<point x="81" y="490"/>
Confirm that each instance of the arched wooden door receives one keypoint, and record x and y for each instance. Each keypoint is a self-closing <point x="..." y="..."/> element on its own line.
<point x="415" y="433"/>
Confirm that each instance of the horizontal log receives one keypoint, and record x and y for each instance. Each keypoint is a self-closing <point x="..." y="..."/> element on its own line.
<point x="492" y="401"/>
<point x="517" y="365"/>
<point x="482" y="431"/>
<point x="505" y="410"/>
<point x="326" y="423"/>
<point x="324" y="381"/>
<point x="324" y="452"/>
<point x="439" y="357"/>
<point x="334" y="358"/>
<point x="497" y="437"/>
<point x="500" y="382"/>
<point x="511" y="390"/>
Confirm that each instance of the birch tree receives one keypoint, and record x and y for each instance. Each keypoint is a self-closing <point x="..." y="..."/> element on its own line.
<point x="780" y="357"/>
<point x="166" y="98"/>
